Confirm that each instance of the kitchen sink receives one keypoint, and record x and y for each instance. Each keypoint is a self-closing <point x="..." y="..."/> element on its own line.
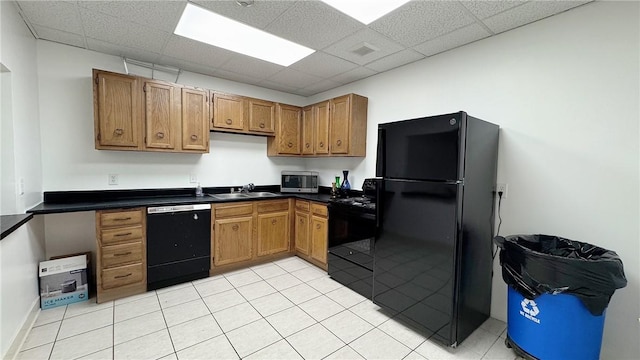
<point x="229" y="196"/>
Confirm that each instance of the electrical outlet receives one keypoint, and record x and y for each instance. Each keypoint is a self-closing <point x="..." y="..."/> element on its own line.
<point x="21" y="186"/>
<point x="502" y="188"/>
<point x="193" y="178"/>
<point x="113" y="179"/>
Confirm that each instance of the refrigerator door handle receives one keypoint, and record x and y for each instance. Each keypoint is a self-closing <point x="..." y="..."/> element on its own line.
<point x="380" y="158"/>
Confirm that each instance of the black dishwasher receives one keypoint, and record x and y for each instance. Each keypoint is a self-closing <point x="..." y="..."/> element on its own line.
<point x="178" y="244"/>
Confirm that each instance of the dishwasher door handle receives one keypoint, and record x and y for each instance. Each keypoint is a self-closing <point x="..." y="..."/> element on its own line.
<point x="177" y="208"/>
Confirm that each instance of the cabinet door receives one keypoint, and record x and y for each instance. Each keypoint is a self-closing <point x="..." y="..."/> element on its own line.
<point x="160" y="115"/>
<point x="339" y="136"/>
<point x="319" y="227"/>
<point x="288" y="118"/>
<point x="302" y="232"/>
<point x="322" y="128"/>
<point x="117" y="111"/>
<point x="262" y="115"/>
<point x="307" y="130"/>
<point x="195" y="124"/>
<point x="228" y="111"/>
<point x="232" y="240"/>
<point x="273" y="233"/>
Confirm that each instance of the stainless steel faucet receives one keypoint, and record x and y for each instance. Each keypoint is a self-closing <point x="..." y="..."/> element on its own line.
<point x="247" y="188"/>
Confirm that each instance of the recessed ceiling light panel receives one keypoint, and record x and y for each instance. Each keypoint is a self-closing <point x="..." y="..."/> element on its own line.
<point x="208" y="27"/>
<point x="366" y="11"/>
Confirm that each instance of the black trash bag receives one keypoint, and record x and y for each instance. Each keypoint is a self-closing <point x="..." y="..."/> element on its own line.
<point x="543" y="264"/>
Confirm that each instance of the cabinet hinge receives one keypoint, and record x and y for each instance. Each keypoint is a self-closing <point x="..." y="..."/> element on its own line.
<point x="97" y="80"/>
<point x="98" y="137"/>
<point x="144" y="88"/>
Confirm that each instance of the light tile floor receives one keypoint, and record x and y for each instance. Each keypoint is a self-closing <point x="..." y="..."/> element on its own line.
<point x="287" y="309"/>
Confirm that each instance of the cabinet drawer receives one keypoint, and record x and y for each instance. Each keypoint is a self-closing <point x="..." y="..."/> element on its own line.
<point x="318" y="209"/>
<point x="121" y="276"/>
<point x="116" y="255"/>
<point x="302" y="205"/>
<point x="233" y="210"/>
<point x="120" y="218"/>
<point x="117" y="235"/>
<point x="271" y="206"/>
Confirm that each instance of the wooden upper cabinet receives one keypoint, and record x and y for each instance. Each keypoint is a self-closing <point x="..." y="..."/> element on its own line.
<point x="288" y="129"/>
<point x="322" y="127"/>
<point x="308" y="124"/>
<point x="195" y="120"/>
<point x="261" y="115"/>
<point x="117" y="111"/>
<point x="228" y="111"/>
<point x="161" y="116"/>
<point x="339" y="134"/>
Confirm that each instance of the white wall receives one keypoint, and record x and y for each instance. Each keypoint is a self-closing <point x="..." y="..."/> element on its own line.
<point x="565" y="92"/>
<point x="21" y="251"/>
<point x="70" y="161"/>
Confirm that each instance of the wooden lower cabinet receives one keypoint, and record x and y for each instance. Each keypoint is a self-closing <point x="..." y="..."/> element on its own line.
<point x="233" y="240"/>
<point x="273" y="233"/>
<point x="121" y="264"/>
<point x="311" y="229"/>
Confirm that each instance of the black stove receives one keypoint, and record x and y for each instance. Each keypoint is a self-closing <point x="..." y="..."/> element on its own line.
<point x="352" y="230"/>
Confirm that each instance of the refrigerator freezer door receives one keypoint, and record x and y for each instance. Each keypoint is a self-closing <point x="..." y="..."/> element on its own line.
<point x="414" y="267"/>
<point x="421" y="149"/>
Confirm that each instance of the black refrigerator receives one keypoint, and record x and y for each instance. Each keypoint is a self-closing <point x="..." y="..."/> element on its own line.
<point x="433" y="250"/>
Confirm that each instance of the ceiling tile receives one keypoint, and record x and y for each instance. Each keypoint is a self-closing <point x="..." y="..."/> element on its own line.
<point x="259" y="15"/>
<point x="345" y="47"/>
<point x="527" y="13"/>
<point x="395" y="60"/>
<point x="453" y="39"/>
<point x="353" y="75"/>
<point x="196" y="52"/>
<point x="186" y="65"/>
<point x="53" y="14"/>
<point x="59" y="36"/>
<point x="485" y="9"/>
<point x="242" y="64"/>
<point x="146" y="13"/>
<point x="323" y="65"/>
<point x="419" y="21"/>
<point x="321" y="86"/>
<point x="131" y="53"/>
<point x="121" y="32"/>
<point x="294" y="78"/>
<point x="277" y="86"/>
<point x="313" y="24"/>
<point x="238" y="77"/>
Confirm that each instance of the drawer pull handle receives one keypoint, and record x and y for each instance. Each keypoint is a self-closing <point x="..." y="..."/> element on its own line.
<point x="123" y="276"/>
<point x="122" y="254"/>
<point x="235" y="227"/>
<point x="124" y="234"/>
<point x="290" y="144"/>
<point x="229" y="121"/>
<point x="301" y="221"/>
<point x="273" y="222"/>
<point x="122" y="219"/>
<point x="118" y="131"/>
<point x="160" y="135"/>
<point x="339" y="142"/>
<point x="317" y="226"/>
<point x="261" y="125"/>
<point x="321" y="144"/>
<point x="306" y="145"/>
<point x="194" y="137"/>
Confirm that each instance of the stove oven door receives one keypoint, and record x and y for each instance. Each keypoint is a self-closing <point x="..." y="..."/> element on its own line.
<point x="351" y="241"/>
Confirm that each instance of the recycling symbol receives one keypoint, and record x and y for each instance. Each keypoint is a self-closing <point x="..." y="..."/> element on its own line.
<point x="530" y="307"/>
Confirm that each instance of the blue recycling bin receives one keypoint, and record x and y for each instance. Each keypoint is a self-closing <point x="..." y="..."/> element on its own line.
<point x="552" y="327"/>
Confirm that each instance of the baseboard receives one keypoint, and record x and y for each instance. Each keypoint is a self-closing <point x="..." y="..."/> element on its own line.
<point x="21" y="336"/>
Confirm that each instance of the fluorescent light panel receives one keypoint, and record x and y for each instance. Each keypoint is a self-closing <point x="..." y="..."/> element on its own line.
<point x="208" y="27"/>
<point x="366" y="11"/>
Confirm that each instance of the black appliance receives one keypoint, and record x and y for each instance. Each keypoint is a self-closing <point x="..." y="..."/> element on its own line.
<point x="352" y="228"/>
<point x="178" y="244"/>
<point x="433" y="262"/>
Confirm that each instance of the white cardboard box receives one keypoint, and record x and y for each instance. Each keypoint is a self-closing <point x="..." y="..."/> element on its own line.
<point x="63" y="281"/>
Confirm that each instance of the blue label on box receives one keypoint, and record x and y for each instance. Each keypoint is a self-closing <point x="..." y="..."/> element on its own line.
<point x="63" y="299"/>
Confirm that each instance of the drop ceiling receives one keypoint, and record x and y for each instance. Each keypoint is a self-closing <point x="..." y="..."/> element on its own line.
<point x="346" y="50"/>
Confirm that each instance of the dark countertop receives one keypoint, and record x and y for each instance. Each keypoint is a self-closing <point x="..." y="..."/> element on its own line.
<point x="10" y="223"/>
<point x="72" y="201"/>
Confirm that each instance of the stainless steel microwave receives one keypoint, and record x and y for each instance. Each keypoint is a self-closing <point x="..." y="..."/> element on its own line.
<point x="299" y="182"/>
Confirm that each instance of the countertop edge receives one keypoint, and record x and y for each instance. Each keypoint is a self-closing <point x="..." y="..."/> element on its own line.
<point x="11" y="223"/>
